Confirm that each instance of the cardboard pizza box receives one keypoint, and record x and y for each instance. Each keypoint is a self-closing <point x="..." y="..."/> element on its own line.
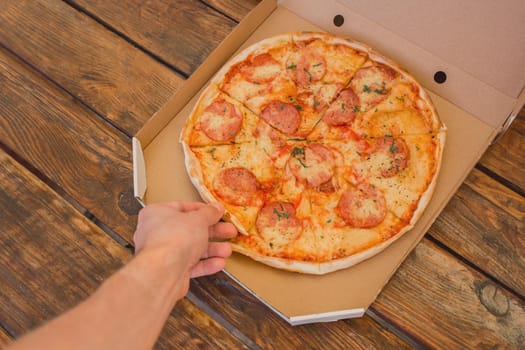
<point x="482" y="93"/>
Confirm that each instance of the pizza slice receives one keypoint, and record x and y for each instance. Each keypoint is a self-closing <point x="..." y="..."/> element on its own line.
<point x="259" y="70"/>
<point x="403" y="168"/>
<point x="280" y="236"/>
<point x="240" y="176"/>
<point x="320" y="66"/>
<point x="219" y="119"/>
<point x="378" y="101"/>
<point x="405" y="110"/>
<point x="352" y="224"/>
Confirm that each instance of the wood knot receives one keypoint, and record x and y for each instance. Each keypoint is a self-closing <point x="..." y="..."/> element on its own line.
<point x="127" y="202"/>
<point x="493" y="299"/>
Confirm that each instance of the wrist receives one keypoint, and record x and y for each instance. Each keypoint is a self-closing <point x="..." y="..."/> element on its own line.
<point x="159" y="272"/>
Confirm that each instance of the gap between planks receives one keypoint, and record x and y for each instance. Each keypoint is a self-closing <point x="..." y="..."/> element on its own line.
<point x="511" y="186"/>
<point x="38" y="71"/>
<point x="129" y="40"/>
<point x="69" y="199"/>
<point x="216" y="10"/>
<point x="473" y="266"/>
<point x="116" y="237"/>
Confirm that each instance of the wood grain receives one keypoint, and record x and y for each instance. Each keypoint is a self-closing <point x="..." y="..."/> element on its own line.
<point x="506" y="157"/>
<point x="444" y="304"/>
<point x="269" y="331"/>
<point x="191" y="328"/>
<point x="182" y="33"/>
<point x="120" y="82"/>
<point x="52" y="257"/>
<point x="4" y="338"/>
<point x="69" y="145"/>
<point x="485" y="224"/>
<point x="235" y="9"/>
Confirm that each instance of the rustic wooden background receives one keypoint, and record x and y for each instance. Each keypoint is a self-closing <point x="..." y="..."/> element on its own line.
<point x="78" y="78"/>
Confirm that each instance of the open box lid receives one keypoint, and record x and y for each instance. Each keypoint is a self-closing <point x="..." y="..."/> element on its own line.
<point x="474" y="107"/>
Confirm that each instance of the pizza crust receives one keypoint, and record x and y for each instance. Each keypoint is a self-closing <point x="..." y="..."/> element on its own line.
<point x="318" y="267"/>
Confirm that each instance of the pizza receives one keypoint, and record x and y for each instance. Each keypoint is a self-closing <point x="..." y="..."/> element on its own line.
<point x="322" y="151"/>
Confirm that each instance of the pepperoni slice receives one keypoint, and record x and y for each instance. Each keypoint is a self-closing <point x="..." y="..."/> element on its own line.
<point x="310" y="68"/>
<point x="393" y="153"/>
<point x="282" y="116"/>
<point x="263" y="68"/>
<point x="237" y="186"/>
<point x="343" y="110"/>
<point x="277" y="223"/>
<point x="313" y="164"/>
<point x="362" y="206"/>
<point x="221" y="121"/>
<point x="372" y="83"/>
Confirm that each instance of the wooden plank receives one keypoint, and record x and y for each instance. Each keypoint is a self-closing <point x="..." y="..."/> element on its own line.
<point x="506" y="158"/>
<point x="68" y="144"/>
<point x="182" y="33"/>
<point x="235" y="9"/>
<point x="485" y="224"/>
<point x="190" y="328"/>
<point x="117" y="80"/>
<point x="4" y="338"/>
<point x="267" y="330"/>
<point x="444" y="304"/>
<point x="52" y="257"/>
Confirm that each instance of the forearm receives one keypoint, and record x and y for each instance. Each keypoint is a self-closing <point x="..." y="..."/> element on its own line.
<point x="127" y="312"/>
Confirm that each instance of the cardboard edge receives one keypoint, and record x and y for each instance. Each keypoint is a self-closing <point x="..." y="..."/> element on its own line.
<point x="215" y="60"/>
<point x="327" y="316"/>
<point x="520" y="103"/>
<point x="139" y="171"/>
<point x="434" y="216"/>
<point x="330" y="316"/>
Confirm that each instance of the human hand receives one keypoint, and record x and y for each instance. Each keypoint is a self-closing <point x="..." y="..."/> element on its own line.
<point x="181" y="231"/>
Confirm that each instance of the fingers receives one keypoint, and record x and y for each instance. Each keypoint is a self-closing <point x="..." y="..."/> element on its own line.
<point x="207" y="267"/>
<point x="185" y="206"/>
<point x="217" y="249"/>
<point x="211" y="213"/>
<point x="222" y="230"/>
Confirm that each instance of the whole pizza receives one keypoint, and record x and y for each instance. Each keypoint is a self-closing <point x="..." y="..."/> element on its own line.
<point x="322" y="151"/>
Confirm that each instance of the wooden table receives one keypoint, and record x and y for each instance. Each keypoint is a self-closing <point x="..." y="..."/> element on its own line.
<point x="78" y="78"/>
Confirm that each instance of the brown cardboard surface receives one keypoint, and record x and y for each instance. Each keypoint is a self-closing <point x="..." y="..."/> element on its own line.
<point x="293" y="294"/>
<point x="486" y="37"/>
<point x="463" y="89"/>
<point x="352" y="288"/>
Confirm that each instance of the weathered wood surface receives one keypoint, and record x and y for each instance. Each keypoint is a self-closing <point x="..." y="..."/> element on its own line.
<point x="118" y="81"/>
<point x="182" y="33"/>
<point x="4" y="338"/>
<point x="444" y="304"/>
<point x="484" y="223"/>
<point x="235" y="9"/>
<point x="68" y="144"/>
<point x="477" y="242"/>
<point x="506" y="158"/>
<point x="52" y="257"/>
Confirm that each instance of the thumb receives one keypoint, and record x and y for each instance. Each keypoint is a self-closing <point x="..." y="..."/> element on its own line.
<point x="211" y="213"/>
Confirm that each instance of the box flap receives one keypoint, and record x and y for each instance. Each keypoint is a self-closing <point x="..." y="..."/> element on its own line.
<point x="472" y="94"/>
<point x="139" y="171"/>
<point x="483" y="38"/>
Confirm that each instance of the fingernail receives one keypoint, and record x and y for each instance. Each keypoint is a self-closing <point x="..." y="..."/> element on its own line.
<point x="219" y="206"/>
